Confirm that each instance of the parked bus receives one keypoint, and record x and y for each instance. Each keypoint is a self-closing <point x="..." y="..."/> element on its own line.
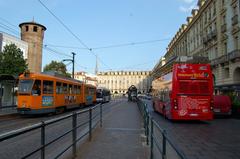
<point x="103" y="95"/>
<point x="44" y="93"/>
<point x="185" y="92"/>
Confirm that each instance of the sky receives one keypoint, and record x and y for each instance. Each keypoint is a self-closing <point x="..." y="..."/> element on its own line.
<point x="146" y="26"/>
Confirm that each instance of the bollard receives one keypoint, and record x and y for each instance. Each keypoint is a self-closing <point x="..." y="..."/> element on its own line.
<point x="74" y="133"/>
<point x="43" y="140"/>
<point x="101" y="115"/>
<point x="151" y="146"/>
<point x="164" y="144"/>
<point x="90" y="124"/>
<point x="148" y="129"/>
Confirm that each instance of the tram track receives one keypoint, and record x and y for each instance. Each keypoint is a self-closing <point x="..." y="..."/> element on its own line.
<point x="17" y="121"/>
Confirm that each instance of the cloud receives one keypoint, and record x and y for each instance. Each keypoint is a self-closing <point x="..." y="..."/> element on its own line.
<point x="186" y="9"/>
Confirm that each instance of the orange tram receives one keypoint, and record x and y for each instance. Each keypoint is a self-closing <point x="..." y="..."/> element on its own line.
<point x="50" y="93"/>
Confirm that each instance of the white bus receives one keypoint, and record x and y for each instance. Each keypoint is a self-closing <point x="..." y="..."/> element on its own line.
<point x="103" y="95"/>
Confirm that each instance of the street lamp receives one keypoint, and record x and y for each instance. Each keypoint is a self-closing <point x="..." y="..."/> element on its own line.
<point x="73" y="61"/>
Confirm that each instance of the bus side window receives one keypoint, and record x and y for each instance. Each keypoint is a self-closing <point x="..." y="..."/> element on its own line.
<point x="36" y="87"/>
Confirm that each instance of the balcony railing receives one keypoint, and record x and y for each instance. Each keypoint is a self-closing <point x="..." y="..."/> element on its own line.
<point x="225" y="58"/>
<point x="234" y="54"/>
<point x="224" y="28"/>
<point x="234" y="19"/>
<point x="214" y="62"/>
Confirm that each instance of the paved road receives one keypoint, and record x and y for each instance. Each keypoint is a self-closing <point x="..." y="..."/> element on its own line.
<point x="217" y="139"/>
<point x="19" y="146"/>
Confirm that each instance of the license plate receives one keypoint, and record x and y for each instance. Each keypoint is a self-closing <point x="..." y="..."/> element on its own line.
<point x="216" y="110"/>
<point x="193" y="114"/>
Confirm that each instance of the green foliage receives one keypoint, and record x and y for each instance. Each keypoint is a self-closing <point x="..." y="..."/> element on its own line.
<point x="59" y="67"/>
<point x="236" y="102"/>
<point x="12" y="61"/>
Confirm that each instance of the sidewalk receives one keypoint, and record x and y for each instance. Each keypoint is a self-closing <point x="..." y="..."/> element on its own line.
<point x="121" y="137"/>
<point x="8" y="111"/>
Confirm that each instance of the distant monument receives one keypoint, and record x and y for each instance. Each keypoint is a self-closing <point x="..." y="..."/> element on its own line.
<point x="33" y="33"/>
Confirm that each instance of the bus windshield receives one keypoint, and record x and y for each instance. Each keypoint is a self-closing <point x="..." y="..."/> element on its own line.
<point x="25" y="86"/>
<point x="200" y="87"/>
<point x="99" y="95"/>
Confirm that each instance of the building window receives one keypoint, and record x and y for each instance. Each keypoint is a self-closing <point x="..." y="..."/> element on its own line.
<point x="216" y="53"/>
<point x="236" y="42"/>
<point x="226" y="73"/>
<point x="234" y="10"/>
<point x="214" y="8"/>
<point x="35" y="28"/>
<point x="26" y="28"/>
<point x="223" y="3"/>
<point x="225" y="48"/>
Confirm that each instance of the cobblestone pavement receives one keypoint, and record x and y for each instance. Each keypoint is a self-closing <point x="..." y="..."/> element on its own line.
<point x="217" y="139"/>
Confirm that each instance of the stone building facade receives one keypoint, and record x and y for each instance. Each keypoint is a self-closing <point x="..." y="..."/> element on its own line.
<point x="33" y="34"/>
<point x="6" y="39"/>
<point x="120" y="81"/>
<point x="86" y="78"/>
<point x="213" y="30"/>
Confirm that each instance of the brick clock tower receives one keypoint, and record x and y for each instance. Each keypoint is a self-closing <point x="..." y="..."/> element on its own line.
<point x="33" y="34"/>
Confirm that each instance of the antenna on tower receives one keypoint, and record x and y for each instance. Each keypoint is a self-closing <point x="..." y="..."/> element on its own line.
<point x="96" y="68"/>
<point x="33" y="19"/>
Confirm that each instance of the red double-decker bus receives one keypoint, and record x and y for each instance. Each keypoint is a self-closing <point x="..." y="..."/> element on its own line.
<point x="185" y="92"/>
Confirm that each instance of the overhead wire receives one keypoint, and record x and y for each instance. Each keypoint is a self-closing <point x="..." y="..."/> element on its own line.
<point x="133" y="66"/>
<point x="57" y="52"/>
<point x="45" y="47"/>
<point x="115" y="45"/>
<point x="8" y="29"/>
<point x="9" y="23"/>
<point x="71" y="32"/>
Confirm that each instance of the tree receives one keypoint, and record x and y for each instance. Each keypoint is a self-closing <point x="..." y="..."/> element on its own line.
<point x="59" y="67"/>
<point x="12" y="61"/>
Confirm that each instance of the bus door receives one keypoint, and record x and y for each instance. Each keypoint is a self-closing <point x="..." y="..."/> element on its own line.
<point x="36" y="94"/>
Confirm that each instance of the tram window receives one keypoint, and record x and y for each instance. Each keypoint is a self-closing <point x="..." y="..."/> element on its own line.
<point x="65" y="89"/>
<point x="70" y="89"/>
<point x="36" y="90"/>
<point x="59" y="89"/>
<point x="91" y="91"/>
<point x="74" y="89"/>
<point x="78" y="89"/>
<point x="47" y="87"/>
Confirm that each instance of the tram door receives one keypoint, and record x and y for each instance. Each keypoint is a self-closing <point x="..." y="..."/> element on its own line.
<point x="36" y="94"/>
